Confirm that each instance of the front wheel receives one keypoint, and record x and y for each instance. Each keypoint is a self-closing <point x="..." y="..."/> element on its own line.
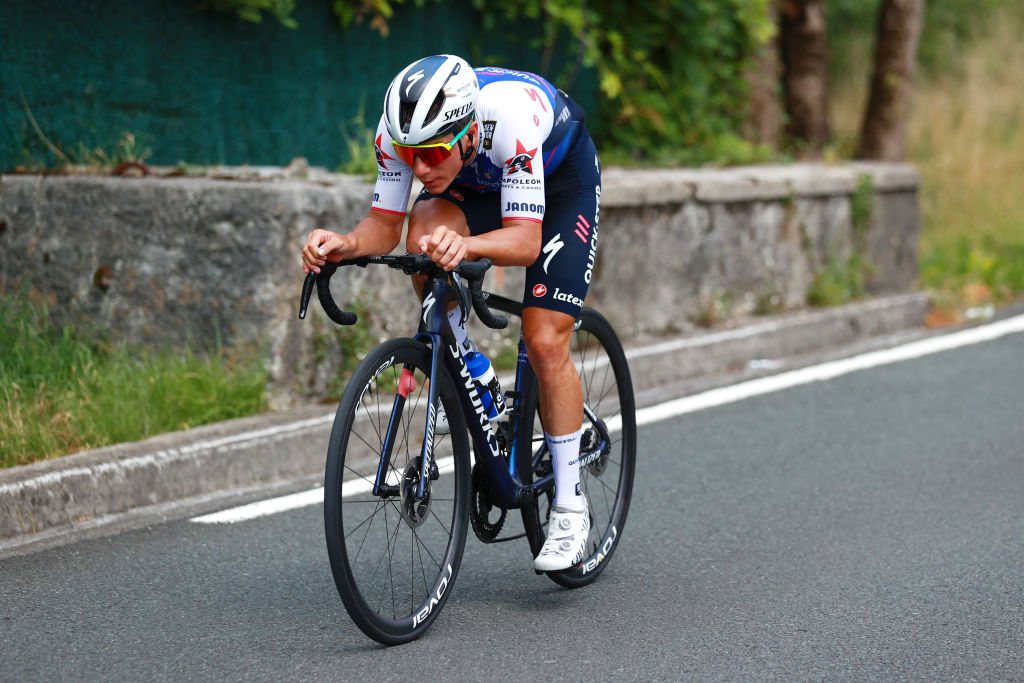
<point x="608" y="444"/>
<point x="395" y="555"/>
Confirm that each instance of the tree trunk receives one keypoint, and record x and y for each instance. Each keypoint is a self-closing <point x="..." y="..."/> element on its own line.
<point x="805" y="73"/>
<point x="764" y="118"/>
<point x="884" y="132"/>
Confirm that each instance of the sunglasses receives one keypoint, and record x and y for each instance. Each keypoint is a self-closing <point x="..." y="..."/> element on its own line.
<point x="432" y="154"/>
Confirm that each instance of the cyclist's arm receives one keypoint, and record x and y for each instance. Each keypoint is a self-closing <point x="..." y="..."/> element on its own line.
<point x="377" y="234"/>
<point x="517" y="243"/>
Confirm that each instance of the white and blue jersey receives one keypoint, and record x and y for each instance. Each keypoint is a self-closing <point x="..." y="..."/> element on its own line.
<point x="526" y="128"/>
<point x="534" y="161"/>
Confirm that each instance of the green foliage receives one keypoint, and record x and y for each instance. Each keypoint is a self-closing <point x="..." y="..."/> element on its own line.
<point x="63" y="390"/>
<point x="351" y="343"/>
<point x="670" y="73"/>
<point x="38" y="148"/>
<point x="862" y="204"/>
<point x="954" y="267"/>
<point x="949" y="27"/>
<point x="252" y="10"/>
<point x="360" y="157"/>
<point x="840" y="282"/>
<point x="347" y="11"/>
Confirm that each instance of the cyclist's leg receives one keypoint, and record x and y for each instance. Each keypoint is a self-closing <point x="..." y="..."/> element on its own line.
<point x="429" y="212"/>
<point x="556" y="285"/>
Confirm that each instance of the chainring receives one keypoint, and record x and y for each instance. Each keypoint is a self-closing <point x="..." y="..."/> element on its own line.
<point x="480" y="510"/>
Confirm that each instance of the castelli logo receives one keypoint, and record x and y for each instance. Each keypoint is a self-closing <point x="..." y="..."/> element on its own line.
<point x="540" y="290"/>
<point x="456" y="195"/>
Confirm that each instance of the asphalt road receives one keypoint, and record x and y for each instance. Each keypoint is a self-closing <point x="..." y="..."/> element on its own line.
<point x="869" y="526"/>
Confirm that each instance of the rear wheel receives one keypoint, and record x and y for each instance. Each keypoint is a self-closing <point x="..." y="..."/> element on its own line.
<point x="394" y="556"/>
<point x="608" y="444"/>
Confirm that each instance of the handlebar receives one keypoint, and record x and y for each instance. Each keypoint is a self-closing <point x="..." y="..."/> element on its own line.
<point x="411" y="264"/>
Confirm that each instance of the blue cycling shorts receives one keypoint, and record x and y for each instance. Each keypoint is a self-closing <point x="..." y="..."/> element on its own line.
<point x="560" y="277"/>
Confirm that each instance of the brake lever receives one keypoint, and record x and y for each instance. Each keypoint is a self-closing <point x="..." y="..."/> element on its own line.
<point x="464" y="296"/>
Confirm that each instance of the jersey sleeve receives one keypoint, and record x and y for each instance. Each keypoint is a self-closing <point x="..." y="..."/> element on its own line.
<point x="394" y="176"/>
<point x="518" y="146"/>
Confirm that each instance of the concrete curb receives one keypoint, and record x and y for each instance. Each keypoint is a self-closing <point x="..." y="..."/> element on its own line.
<point x="80" y="490"/>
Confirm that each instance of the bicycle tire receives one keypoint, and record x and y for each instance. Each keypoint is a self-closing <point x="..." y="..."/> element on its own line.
<point x="393" y="561"/>
<point x="608" y="483"/>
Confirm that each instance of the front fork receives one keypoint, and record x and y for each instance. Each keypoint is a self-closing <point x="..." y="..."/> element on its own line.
<point x="406" y="385"/>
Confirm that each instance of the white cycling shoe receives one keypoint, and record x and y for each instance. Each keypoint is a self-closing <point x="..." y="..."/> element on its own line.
<point x="567" y="536"/>
<point x="441" y="425"/>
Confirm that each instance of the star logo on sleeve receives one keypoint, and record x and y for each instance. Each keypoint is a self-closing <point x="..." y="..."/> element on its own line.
<point x="522" y="161"/>
<point x="381" y="156"/>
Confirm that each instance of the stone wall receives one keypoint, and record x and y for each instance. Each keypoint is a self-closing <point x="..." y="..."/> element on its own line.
<point x="169" y="261"/>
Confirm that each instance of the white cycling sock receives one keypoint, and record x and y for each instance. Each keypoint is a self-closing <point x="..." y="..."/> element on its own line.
<point x="565" y="456"/>
<point x="459" y="328"/>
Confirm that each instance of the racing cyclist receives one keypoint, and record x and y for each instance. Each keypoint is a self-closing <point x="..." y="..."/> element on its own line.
<point x="509" y="173"/>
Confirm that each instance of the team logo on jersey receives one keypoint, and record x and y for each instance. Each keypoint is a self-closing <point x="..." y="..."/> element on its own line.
<point x="489" y="127"/>
<point x="381" y="156"/>
<point x="522" y="161"/>
<point x="539" y="290"/>
<point x="456" y="195"/>
<point x="552" y="248"/>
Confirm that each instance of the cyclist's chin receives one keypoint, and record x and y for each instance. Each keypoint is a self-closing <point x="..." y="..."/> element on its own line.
<point x="436" y="185"/>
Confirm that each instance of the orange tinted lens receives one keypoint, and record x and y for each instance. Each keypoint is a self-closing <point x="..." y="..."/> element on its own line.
<point x="431" y="156"/>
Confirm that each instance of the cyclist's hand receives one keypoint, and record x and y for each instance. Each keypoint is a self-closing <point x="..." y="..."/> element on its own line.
<point x="323" y="246"/>
<point x="444" y="246"/>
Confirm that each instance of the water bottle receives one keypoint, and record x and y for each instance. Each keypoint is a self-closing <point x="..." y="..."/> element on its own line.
<point x="486" y="384"/>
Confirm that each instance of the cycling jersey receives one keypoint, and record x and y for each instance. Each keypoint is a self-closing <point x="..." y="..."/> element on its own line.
<point x="526" y="128"/>
<point x="535" y="161"/>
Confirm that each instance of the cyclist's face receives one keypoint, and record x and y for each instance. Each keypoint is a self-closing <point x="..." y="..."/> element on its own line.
<point x="438" y="177"/>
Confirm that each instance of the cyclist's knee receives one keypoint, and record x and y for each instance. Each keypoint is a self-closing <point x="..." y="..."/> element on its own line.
<point x="427" y="214"/>
<point x="546" y="335"/>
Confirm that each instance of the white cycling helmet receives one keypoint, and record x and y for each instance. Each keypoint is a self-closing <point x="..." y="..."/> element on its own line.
<point x="432" y="96"/>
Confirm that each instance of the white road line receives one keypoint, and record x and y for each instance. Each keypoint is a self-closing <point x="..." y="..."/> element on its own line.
<point x="829" y="370"/>
<point x="687" y="404"/>
<point x="297" y="500"/>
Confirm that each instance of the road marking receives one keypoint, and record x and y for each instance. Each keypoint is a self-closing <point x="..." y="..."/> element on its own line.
<point x="297" y="500"/>
<point x="685" y="405"/>
<point x="829" y="370"/>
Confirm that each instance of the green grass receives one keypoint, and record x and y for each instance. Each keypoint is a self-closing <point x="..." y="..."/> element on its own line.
<point x="966" y="136"/>
<point x="62" y="392"/>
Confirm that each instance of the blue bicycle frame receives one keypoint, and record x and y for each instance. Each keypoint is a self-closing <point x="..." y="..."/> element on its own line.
<point x="505" y="474"/>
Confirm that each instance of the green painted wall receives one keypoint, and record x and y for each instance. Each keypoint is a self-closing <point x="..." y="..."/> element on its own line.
<point x="205" y="87"/>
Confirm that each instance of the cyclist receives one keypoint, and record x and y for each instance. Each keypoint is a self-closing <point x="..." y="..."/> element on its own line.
<point x="509" y="173"/>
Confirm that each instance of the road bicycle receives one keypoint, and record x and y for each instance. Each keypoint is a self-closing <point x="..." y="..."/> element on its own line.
<point x="400" y="497"/>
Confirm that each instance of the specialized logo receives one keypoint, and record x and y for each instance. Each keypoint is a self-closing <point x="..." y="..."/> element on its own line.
<point x="539" y="290"/>
<point x="552" y="248"/>
<point x="536" y="97"/>
<point x="381" y="156"/>
<point x="412" y="80"/>
<point x="478" y="407"/>
<point x="428" y="304"/>
<point x="458" y="113"/>
<point x="522" y="161"/>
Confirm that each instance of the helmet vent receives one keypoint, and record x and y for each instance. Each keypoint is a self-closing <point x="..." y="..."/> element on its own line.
<point x="435" y="108"/>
